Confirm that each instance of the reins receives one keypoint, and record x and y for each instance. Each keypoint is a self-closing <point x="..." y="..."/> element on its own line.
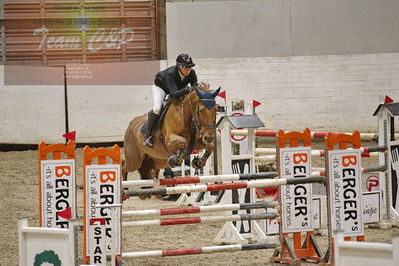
<point x="199" y="125"/>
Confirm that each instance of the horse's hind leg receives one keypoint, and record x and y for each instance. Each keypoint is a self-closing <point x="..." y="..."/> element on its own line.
<point x="147" y="169"/>
<point x="133" y="160"/>
<point x="124" y="173"/>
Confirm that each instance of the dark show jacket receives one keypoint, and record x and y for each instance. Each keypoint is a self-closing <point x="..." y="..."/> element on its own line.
<point x="169" y="80"/>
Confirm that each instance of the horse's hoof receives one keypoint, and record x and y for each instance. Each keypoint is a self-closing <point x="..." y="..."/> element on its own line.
<point x="173" y="161"/>
<point x="173" y="197"/>
<point x="196" y="163"/>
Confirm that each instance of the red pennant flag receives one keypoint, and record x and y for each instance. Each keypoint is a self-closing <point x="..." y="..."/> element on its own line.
<point x="70" y="135"/>
<point x="388" y="99"/>
<point x="222" y="95"/>
<point x="255" y="103"/>
<point x="66" y="214"/>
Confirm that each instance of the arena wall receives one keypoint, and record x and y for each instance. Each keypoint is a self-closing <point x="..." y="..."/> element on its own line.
<point x="258" y="28"/>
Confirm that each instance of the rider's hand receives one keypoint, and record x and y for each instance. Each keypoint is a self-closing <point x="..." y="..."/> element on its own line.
<point x="168" y="99"/>
<point x="190" y="88"/>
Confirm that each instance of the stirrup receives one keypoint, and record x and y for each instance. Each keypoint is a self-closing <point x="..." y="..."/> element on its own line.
<point x="149" y="142"/>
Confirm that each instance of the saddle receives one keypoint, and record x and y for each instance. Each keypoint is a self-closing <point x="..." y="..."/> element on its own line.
<point x="165" y="105"/>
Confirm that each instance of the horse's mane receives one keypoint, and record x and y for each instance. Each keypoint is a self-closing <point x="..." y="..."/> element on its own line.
<point x="204" y="86"/>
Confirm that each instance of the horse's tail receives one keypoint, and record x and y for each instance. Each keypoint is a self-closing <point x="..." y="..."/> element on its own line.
<point x="147" y="169"/>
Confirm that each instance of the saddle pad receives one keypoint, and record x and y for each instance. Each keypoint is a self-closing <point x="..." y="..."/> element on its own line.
<point x="144" y="127"/>
<point x="165" y="106"/>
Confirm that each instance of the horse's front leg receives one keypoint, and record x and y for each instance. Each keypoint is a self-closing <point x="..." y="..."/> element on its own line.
<point x="177" y="145"/>
<point x="200" y="162"/>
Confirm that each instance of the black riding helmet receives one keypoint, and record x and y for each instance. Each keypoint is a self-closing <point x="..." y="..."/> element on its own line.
<point x="184" y="60"/>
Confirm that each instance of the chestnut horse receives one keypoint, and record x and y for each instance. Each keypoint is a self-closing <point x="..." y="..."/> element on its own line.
<point x="189" y="123"/>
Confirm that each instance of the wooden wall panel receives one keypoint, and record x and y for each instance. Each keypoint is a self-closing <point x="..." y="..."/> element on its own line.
<point x="55" y="33"/>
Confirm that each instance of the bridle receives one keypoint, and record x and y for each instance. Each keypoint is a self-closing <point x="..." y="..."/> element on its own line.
<point x="199" y="125"/>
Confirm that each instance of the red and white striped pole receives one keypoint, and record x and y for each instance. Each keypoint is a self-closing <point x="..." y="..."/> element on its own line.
<point x="201" y="250"/>
<point x="201" y="220"/>
<point x="224" y="186"/>
<point x="201" y="209"/>
<point x="365" y="151"/>
<point x="199" y="179"/>
<point x="314" y="135"/>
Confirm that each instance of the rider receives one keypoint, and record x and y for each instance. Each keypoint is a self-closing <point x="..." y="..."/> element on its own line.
<point x="171" y="81"/>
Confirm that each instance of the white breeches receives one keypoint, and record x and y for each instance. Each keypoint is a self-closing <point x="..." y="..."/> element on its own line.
<point x="158" y="95"/>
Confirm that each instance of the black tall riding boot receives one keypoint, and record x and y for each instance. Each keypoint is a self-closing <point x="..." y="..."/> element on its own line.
<point x="148" y="138"/>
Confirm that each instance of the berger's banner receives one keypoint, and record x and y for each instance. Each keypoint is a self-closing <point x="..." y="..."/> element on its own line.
<point x="98" y="245"/>
<point x="345" y="191"/>
<point x="102" y="188"/>
<point x="58" y="193"/>
<point x="296" y="199"/>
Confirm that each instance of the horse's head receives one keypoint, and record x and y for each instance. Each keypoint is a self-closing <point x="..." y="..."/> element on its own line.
<point x="204" y="114"/>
